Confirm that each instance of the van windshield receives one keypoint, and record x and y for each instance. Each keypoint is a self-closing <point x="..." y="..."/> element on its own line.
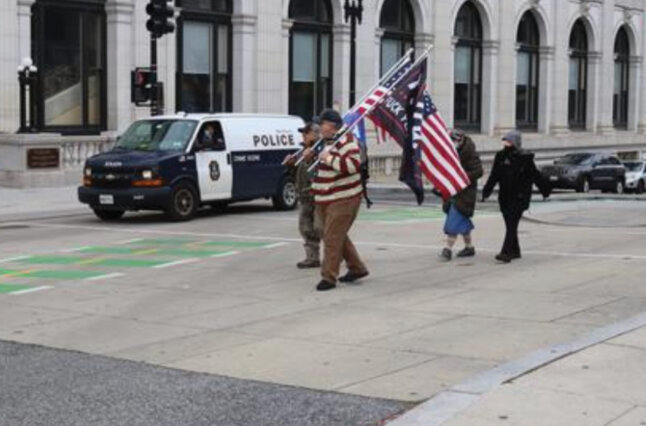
<point x="157" y="135"/>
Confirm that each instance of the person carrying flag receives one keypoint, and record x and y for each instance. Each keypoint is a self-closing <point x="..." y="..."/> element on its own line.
<point x="337" y="193"/>
<point x="309" y="222"/>
<point x="459" y="209"/>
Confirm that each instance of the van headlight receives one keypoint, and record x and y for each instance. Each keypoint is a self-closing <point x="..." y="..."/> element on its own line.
<point x="88" y="172"/>
<point x="147" y="174"/>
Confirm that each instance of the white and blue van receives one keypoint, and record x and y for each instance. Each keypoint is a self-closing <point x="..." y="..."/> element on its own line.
<point x="178" y="163"/>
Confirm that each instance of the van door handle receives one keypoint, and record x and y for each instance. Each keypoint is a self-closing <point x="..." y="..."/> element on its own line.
<point x="229" y="158"/>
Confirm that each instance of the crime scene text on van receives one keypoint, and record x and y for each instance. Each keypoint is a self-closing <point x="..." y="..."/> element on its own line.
<point x="279" y="139"/>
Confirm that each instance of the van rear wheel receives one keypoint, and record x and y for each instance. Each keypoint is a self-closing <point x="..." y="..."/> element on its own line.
<point x="183" y="202"/>
<point x="286" y="198"/>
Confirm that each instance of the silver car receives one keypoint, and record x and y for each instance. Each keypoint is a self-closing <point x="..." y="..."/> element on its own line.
<point x="635" y="176"/>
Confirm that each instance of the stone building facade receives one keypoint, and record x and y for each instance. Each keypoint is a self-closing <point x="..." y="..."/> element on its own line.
<point x="568" y="72"/>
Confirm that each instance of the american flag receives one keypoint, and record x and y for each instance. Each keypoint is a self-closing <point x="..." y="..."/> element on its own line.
<point x="439" y="160"/>
<point x="382" y="90"/>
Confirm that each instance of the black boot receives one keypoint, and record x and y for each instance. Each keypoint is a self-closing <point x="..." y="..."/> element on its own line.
<point x="325" y="286"/>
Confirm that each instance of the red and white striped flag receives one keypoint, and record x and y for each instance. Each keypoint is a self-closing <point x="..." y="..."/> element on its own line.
<point x="438" y="158"/>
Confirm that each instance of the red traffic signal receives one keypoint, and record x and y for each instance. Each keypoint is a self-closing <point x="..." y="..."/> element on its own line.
<point x="140" y="85"/>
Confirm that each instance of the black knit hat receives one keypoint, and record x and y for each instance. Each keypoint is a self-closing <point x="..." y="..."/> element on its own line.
<point x="332" y="116"/>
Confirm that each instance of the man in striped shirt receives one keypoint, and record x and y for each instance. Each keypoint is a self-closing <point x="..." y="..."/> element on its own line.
<point x="337" y="193"/>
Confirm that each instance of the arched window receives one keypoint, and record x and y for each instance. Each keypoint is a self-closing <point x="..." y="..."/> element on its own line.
<point x="528" y="39"/>
<point x="577" y="92"/>
<point x="398" y="22"/>
<point x="310" y="88"/>
<point x="204" y="56"/>
<point x="622" y="66"/>
<point x="468" y="68"/>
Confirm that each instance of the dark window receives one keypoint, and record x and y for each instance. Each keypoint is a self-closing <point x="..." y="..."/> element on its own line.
<point x="468" y="68"/>
<point x="527" y="66"/>
<point x="622" y="74"/>
<point x="398" y="22"/>
<point x="578" y="80"/>
<point x="310" y="45"/>
<point x="211" y="137"/>
<point x="69" y="51"/>
<point x="204" y="56"/>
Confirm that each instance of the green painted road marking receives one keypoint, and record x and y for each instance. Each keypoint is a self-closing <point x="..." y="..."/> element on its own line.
<point x="52" y="260"/>
<point x="10" y="288"/>
<point x="62" y="274"/>
<point x="110" y="250"/>
<point x="162" y="241"/>
<point x="191" y="253"/>
<point x="130" y="263"/>
<point x="239" y="244"/>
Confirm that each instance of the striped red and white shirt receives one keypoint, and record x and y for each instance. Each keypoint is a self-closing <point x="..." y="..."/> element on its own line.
<point x="340" y="177"/>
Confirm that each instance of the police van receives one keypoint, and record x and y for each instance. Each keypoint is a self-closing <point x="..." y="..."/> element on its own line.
<point x="178" y="163"/>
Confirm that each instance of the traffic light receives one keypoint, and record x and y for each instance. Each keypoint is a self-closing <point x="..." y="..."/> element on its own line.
<point x="161" y="12"/>
<point x="140" y="85"/>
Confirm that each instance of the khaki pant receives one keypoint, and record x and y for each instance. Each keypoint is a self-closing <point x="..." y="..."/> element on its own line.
<point x="310" y="227"/>
<point x="337" y="218"/>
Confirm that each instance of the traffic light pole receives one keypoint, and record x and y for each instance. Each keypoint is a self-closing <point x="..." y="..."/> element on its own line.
<point x="153" y="75"/>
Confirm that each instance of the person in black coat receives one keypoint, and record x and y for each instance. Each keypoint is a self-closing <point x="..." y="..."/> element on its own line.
<point x="515" y="172"/>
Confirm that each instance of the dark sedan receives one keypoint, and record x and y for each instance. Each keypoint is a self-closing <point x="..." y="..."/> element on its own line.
<point x="585" y="171"/>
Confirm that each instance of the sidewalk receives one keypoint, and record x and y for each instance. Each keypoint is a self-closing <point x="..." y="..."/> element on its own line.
<point x="16" y="203"/>
<point x="602" y="385"/>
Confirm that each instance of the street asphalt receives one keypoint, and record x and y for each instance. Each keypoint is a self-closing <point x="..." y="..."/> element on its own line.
<point x="45" y="387"/>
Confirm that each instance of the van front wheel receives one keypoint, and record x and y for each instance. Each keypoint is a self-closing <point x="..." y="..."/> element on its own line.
<point x="286" y="198"/>
<point x="183" y="202"/>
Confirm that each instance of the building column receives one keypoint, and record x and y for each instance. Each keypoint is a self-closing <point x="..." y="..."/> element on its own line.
<point x="244" y="39"/>
<point x="379" y="33"/>
<point x="341" y="67"/>
<point x="24" y="29"/>
<point x="594" y="90"/>
<point x="422" y="42"/>
<point x="546" y="67"/>
<point x="635" y="92"/>
<point x="560" y="73"/>
<point x="119" y="53"/>
<point x="286" y="28"/>
<point x="489" y="105"/>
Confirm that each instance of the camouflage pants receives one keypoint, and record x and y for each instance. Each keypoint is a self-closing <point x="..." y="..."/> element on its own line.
<point x="310" y="227"/>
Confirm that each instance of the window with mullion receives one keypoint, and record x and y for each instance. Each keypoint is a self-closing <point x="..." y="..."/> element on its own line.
<point x="398" y="22"/>
<point x="310" y="59"/>
<point x="204" y="58"/>
<point x="578" y="78"/>
<point x="527" y="66"/>
<point x="69" y="51"/>
<point x="468" y="69"/>
<point x="621" y="83"/>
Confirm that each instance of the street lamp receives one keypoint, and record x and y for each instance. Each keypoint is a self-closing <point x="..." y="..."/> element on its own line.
<point x="27" y="78"/>
<point x="353" y="14"/>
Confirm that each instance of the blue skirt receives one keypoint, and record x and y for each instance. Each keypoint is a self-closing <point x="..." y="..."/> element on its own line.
<point x="457" y="223"/>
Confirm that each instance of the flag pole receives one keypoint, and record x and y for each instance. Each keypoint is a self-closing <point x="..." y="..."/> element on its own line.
<point x="386" y="77"/>
<point x="346" y="129"/>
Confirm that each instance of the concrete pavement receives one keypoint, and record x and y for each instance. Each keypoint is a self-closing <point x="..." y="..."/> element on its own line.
<point x="415" y="328"/>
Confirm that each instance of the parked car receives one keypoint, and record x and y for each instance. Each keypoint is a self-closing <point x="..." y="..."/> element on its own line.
<point x="635" y="176"/>
<point x="585" y="171"/>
